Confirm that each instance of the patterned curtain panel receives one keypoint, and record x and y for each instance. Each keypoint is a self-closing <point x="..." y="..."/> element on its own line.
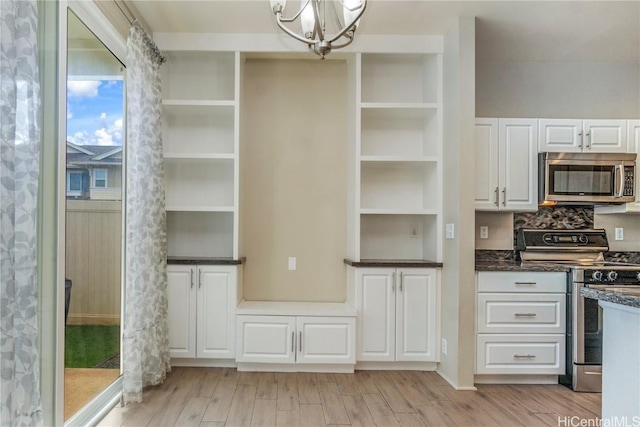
<point x="20" y="162"/>
<point x="145" y="335"/>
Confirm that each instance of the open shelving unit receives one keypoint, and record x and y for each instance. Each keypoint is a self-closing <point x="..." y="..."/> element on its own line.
<point x="398" y="156"/>
<point x="201" y="140"/>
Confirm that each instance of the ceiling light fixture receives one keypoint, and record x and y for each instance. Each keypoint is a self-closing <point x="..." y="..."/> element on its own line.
<point x="314" y="15"/>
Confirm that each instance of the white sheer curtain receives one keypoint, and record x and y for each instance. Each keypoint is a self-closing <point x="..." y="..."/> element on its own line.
<point x="19" y="173"/>
<point x="145" y="335"/>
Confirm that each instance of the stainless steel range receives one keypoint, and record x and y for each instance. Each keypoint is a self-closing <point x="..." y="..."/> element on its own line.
<point x="583" y="251"/>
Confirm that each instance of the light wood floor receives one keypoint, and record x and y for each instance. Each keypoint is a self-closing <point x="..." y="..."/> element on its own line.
<point x="225" y="397"/>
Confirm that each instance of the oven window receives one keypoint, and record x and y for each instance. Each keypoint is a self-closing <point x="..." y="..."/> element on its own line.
<point x="581" y="180"/>
<point x="592" y="331"/>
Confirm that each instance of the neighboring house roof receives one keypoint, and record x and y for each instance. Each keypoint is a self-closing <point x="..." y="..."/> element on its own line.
<point x="93" y="155"/>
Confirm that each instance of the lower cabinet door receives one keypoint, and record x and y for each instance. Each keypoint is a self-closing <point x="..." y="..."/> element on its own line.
<point x="216" y="311"/>
<point x="265" y="339"/>
<point x="181" y="299"/>
<point x="326" y="340"/>
<point x="521" y="354"/>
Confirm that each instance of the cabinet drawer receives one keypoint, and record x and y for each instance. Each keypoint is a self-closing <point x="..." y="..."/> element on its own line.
<point x="521" y="354"/>
<point x="521" y="313"/>
<point x="522" y="282"/>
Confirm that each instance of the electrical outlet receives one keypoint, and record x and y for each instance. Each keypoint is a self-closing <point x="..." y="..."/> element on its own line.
<point x="413" y="232"/>
<point x="444" y="346"/>
<point x="484" y="232"/>
<point x="292" y="263"/>
<point x="619" y="233"/>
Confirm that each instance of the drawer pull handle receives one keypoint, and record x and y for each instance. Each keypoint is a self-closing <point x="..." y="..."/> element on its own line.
<point x="293" y="342"/>
<point x="526" y="283"/>
<point x="524" y="356"/>
<point x="525" y="314"/>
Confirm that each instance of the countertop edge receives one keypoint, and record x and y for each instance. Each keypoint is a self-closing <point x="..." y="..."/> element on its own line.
<point x="393" y="263"/>
<point x="600" y="295"/>
<point x="517" y="266"/>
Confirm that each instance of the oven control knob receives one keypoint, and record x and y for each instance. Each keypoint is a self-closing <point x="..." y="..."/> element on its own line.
<point x="582" y="238"/>
<point x="611" y="276"/>
<point x="596" y="276"/>
<point x="638" y="276"/>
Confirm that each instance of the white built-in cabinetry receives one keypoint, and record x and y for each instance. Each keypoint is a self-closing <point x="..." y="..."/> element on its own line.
<point x="506" y="164"/>
<point x="588" y="136"/>
<point x="201" y="137"/>
<point x="202" y="301"/>
<point x="397" y="170"/>
<point x="398" y="318"/>
<point x="521" y="323"/>
<point x="295" y="335"/>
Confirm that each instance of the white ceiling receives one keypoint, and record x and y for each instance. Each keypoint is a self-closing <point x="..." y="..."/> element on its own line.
<point x="505" y="30"/>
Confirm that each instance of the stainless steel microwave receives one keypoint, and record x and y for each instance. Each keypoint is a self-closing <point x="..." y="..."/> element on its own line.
<point x="586" y="178"/>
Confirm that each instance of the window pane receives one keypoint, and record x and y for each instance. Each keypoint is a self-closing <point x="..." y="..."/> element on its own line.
<point x="75" y="181"/>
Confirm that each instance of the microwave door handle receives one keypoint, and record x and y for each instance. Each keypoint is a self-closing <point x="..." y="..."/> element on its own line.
<point x="619" y="180"/>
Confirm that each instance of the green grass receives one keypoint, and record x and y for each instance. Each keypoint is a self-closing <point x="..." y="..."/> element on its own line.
<point x="88" y="345"/>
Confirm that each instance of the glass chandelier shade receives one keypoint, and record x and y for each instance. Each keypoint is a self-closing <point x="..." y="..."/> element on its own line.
<point x="325" y="24"/>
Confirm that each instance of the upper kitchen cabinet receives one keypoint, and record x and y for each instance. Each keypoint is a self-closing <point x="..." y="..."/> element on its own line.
<point x="588" y="136"/>
<point x="200" y="129"/>
<point x="398" y="156"/>
<point x="506" y="164"/>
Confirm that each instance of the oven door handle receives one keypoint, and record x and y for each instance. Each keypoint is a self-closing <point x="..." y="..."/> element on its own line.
<point x="619" y="180"/>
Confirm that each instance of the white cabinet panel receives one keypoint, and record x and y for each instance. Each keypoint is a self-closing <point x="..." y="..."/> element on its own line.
<point x="521" y="313"/>
<point x="397" y="314"/>
<point x="506" y="164"/>
<point x="266" y="339"/>
<point x="326" y="340"/>
<point x="518" y="354"/>
<point x="181" y="296"/>
<point x="377" y="311"/>
<point x="201" y="306"/>
<point x="588" y="136"/>
<point x="529" y="282"/>
<point x="216" y="316"/>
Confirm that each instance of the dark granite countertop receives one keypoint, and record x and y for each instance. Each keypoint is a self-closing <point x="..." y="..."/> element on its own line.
<point x="513" y="265"/>
<point x="415" y="263"/>
<point x="204" y="261"/>
<point x="628" y="300"/>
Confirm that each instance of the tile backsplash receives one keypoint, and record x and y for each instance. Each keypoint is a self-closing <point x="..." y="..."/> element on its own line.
<point x="555" y="217"/>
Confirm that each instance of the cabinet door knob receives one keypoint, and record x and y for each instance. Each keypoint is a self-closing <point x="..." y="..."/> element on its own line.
<point x="580" y="135"/>
<point x="497" y="196"/>
<point x="589" y="139"/>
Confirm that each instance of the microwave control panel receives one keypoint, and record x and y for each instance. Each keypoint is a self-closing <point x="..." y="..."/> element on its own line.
<point x="628" y="181"/>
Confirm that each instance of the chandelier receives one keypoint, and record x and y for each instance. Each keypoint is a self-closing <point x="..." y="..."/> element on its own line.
<point x="314" y="14"/>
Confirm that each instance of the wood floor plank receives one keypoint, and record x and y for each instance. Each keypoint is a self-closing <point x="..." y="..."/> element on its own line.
<point x="380" y="411"/>
<point x="366" y="382"/>
<point x="248" y="378"/>
<point x="432" y="416"/>
<point x="193" y="411"/>
<point x="229" y="374"/>
<point x="168" y="413"/>
<point x="287" y="391"/>
<point x="409" y="419"/>
<point x="218" y="409"/>
<point x="307" y="388"/>
<point x="242" y="405"/>
<point x="332" y="406"/>
<point x="411" y="391"/>
<point x="267" y="386"/>
<point x="212" y="424"/>
<point x="479" y="408"/>
<point x="324" y="377"/>
<point x="209" y="382"/>
<point x="357" y="411"/>
<point x="392" y="394"/>
<point x="311" y="415"/>
<point x="264" y="413"/>
<point x="513" y="406"/>
<point x="454" y="415"/>
<point x="347" y="384"/>
<point x="431" y="389"/>
<point x="288" y="418"/>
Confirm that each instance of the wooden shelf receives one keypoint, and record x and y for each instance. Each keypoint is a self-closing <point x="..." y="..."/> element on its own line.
<point x="398" y="159"/>
<point x="194" y="208"/>
<point x="399" y="211"/>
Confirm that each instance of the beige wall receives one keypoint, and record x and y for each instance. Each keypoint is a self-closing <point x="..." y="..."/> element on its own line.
<point x="582" y="90"/>
<point x="294" y="179"/>
<point x="631" y="228"/>
<point x="500" y="230"/>
<point x="458" y="276"/>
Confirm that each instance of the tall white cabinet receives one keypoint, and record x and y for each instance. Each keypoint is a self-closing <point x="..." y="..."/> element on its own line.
<point x="397" y="167"/>
<point x="200" y="93"/>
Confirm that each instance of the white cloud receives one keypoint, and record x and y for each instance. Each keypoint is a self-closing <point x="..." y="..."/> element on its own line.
<point x="83" y="88"/>
<point x="111" y="135"/>
<point x="103" y="116"/>
<point x="69" y="114"/>
<point x="79" y="138"/>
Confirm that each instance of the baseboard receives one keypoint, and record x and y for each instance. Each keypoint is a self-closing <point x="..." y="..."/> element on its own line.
<point x="515" y="379"/>
<point x="396" y="366"/>
<point x="295" y="367"/>
<point x="455" y="384"/>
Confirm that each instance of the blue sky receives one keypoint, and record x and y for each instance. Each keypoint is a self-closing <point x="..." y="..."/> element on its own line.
<point x="94" y="112"/>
